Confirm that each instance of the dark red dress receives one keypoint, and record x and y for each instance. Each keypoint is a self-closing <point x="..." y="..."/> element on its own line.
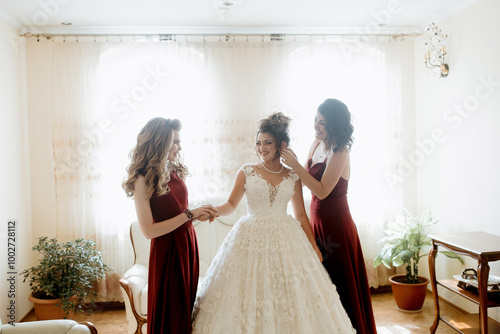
<point x="173" y="266"/>
<point x="338" y="240"/>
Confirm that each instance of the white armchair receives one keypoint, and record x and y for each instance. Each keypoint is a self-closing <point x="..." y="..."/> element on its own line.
<point x="134" y="282"/>
<point x="48" y="327"/>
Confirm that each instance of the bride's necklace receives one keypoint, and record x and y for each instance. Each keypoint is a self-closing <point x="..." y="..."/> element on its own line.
<point x="270" y="171"/>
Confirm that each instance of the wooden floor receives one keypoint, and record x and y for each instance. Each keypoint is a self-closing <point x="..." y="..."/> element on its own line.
<point x="389" y="320"/>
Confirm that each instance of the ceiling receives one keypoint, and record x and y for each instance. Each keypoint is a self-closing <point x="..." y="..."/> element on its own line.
<point x="226" y="16"/>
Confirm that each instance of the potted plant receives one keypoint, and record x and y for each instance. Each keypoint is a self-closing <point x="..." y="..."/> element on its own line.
<point x="64" y="277"/>
<point x="405" y="243"/>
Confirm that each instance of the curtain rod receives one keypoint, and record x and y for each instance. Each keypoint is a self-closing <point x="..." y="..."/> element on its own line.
<point x="277" y="36"/>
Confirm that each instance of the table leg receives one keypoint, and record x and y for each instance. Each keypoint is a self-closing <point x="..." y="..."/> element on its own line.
<point x="483" y="273"/>
<point x="432" y="272"/>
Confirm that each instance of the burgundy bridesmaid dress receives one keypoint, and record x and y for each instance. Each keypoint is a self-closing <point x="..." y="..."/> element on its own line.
<point x="338" y="240"/>
<point x="173" y="266"/>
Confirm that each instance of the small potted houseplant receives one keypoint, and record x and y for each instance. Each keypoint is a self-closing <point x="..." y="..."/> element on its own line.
<point x="407" y="241"/>
<point x="64" y="277"/>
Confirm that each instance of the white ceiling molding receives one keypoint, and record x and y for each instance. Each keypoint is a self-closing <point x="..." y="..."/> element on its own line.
<point x="9" y="19"/>
<point x="225" y="30"/>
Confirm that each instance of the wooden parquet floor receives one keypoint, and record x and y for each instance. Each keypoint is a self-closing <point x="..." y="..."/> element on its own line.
<point x="389" y="320"/>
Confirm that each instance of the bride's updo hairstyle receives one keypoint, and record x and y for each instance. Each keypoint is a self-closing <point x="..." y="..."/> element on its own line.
<point x="277" y="126"/>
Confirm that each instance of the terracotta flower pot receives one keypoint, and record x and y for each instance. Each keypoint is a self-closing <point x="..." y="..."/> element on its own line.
<point x="46" y="309"/>
<point x="409" y="297"/>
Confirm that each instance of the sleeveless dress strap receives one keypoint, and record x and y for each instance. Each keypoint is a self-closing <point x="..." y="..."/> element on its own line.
<point x="292" y="175"/>
<point x="247" y="169"/>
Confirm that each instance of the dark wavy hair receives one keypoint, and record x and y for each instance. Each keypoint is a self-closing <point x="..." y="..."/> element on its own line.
<point x="277" y="126"/>
<point x="338" y="125"/>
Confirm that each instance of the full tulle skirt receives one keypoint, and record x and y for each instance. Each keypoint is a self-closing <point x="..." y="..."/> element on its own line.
<point x="267" y="278"/>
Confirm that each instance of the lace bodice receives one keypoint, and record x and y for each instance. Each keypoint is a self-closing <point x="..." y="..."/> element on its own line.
<point x="264" y="199"/>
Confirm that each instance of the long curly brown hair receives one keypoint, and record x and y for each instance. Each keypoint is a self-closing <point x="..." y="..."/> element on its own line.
<point x="149" y="157"/>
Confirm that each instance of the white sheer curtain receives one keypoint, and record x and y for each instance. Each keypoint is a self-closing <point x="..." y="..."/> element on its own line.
<point x="104" y="93"/>
<point x="77" y="138"/>
<point x="368" y="81"/>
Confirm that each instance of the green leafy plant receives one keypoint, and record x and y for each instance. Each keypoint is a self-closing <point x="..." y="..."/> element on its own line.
<point x="407" y="241"/>
<point x="67" y="271"/>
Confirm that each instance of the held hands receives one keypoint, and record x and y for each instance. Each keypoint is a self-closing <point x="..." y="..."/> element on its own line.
<point x="289" y="158"/>
<point x="205" y="212"/>
<point x="208" y="217"/>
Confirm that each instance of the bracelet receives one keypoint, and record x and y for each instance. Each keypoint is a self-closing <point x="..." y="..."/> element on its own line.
<point x="189" y="214"/>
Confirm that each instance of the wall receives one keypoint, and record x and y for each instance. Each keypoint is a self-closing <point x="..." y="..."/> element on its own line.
<point x="408" y="126"/>
<point x="459" y="177"/>
<point x="39" y="73"/>
<point x="15" y="197"/>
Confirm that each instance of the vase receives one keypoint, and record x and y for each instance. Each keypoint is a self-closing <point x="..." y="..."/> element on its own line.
<point x="48" y="309"/>
<point x="409" y="297"/>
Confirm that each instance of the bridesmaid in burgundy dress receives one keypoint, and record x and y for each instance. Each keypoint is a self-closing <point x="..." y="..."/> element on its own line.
<point x="155" y="181"/>
<point x="326" y="174"/>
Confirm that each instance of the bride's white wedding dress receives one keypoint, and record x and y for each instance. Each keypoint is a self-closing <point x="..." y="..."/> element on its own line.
<point x="266" y="277"/>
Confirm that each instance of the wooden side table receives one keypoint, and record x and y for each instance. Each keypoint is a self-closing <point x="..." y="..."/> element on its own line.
<point x="483" y="247"/>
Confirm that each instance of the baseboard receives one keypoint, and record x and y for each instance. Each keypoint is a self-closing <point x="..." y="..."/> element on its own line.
<point x="109" y="306"/>
<point x="30" y="313"/>
<point x="100" y="306"/>
<point x="451" y="305"/>
<point x="388" y="289"/>
<point x="380" y="289"/>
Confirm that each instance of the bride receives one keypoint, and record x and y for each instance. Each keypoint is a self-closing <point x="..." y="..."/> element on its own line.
<point x="267" y="276"/>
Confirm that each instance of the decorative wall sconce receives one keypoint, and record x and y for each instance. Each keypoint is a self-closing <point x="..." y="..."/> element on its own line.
<point x="435" y="51"/>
